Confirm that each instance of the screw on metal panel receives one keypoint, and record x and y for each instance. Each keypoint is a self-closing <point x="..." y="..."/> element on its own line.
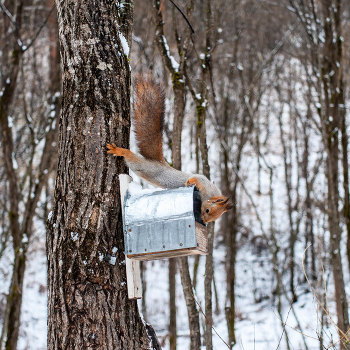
<point x="130" y="230"/>
<point x="189" y="225"/>
<point x="163" y="246"/>
<point x="180" y="244"/>
<point x="130" y="251"/>
<point x="145" y="250"/>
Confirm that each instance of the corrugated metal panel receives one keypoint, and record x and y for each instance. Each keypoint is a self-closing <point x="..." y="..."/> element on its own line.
<point x="159" y="221"/>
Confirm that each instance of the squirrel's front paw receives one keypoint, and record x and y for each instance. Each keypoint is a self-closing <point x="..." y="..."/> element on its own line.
<point x="192" y="182"/>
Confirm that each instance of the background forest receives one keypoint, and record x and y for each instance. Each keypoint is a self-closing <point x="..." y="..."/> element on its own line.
<point x="257" y="99"/>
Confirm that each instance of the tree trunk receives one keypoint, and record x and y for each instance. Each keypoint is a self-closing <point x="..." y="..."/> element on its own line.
<point x="332" y="120"/>
<point x="14" y="299"/>
<point x="193" y="317"/>
<point x="177" y="75"/>
<point x="288" y="184"/>
<point x="231" y="271"/>
<point x="176" y="159"/>
<point x="309" y="224"/>
<point x="87" y="296"/>
<point x="335" y="238"/>
<point x="345" y="161"/>
<point x="172" y="304"/>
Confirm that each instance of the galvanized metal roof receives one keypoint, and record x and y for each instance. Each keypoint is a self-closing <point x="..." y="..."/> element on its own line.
<point x="159" y="221"/>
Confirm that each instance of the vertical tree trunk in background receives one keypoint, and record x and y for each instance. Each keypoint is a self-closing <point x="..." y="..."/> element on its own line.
<point x="230" y="241"/>
<point x="208" y="279"/>
<point x="87" y="295"/>
<point x="179" y="111"/>
<point x="193" y="316"/>
<point x="14" y="299"/>
<point x="201" y="115"/>
<point x="332" y="122"/>
<point x="309" y="223"/>
<point x="177" y="75"/>
<point x="327" y="55"/>
<point x="172" y="304"/>
<point x="345" y="162"/>
<point x="21" y="226"/>
<point x="288" y="183"/>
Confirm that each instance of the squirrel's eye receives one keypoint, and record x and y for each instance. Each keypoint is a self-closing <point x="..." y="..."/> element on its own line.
<point x="207" y="211"/>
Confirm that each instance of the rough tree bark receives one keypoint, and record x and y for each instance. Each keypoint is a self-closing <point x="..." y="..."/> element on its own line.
<point x="87" y="293"/>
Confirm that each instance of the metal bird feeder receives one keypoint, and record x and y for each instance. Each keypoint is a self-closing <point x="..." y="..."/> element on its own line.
<point x="164" y="224"/>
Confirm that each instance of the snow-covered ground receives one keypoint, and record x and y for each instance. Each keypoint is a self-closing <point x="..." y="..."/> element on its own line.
<point x="258" y="324"/>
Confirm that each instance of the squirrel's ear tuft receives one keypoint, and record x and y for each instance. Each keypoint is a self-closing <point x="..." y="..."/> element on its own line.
<point x="226" y="203"/>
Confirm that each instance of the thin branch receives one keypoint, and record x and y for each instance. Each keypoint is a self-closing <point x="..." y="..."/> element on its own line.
<point x="183" y="15"/>
<point x="39" y="30"/>
<point x="200" y="308"/>
<point x="313" y="292"/>
<point x="7" y="12"/>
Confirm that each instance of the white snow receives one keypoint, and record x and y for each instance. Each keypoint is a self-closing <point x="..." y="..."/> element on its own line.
<point x="136" y="189"/>
<point x="174" y="63"/>
<point x="124" y="43"/>
<point x="75" y="236"/>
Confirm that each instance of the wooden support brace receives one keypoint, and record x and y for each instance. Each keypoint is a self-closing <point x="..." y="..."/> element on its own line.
<point x="133" y="275"/>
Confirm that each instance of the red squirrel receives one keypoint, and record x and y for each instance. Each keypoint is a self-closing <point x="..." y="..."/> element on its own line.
<point x="152" y="167"/>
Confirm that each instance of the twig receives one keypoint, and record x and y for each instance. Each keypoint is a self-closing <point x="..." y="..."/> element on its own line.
<point x="14" y="22"/>
<point x="328" y="314"/>
<point x="284" y="323"/>
<point x="208" y="321"/>
<point x="39" y="30"/>
<point x="7" y="12"/>
<point x="188" y="22"/>
<point x="309" y="336"/>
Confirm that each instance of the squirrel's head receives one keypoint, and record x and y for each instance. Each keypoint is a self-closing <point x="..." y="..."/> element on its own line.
<point x="215" y="207"/>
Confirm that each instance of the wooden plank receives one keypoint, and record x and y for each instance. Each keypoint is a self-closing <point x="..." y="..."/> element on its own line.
<point x="168" y="254"/>
<point x="202" y="237"/>
<point x="133" y="274"/>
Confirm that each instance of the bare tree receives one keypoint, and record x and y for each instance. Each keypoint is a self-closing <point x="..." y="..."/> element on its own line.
<point x="323" y="27"/>
<point x="177" y="74"/>
<point x="27" y="180"/>
<point x="87" y="301"/>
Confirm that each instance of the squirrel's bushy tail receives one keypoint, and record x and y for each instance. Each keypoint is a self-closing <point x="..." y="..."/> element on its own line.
<point x="149" y="117"/>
